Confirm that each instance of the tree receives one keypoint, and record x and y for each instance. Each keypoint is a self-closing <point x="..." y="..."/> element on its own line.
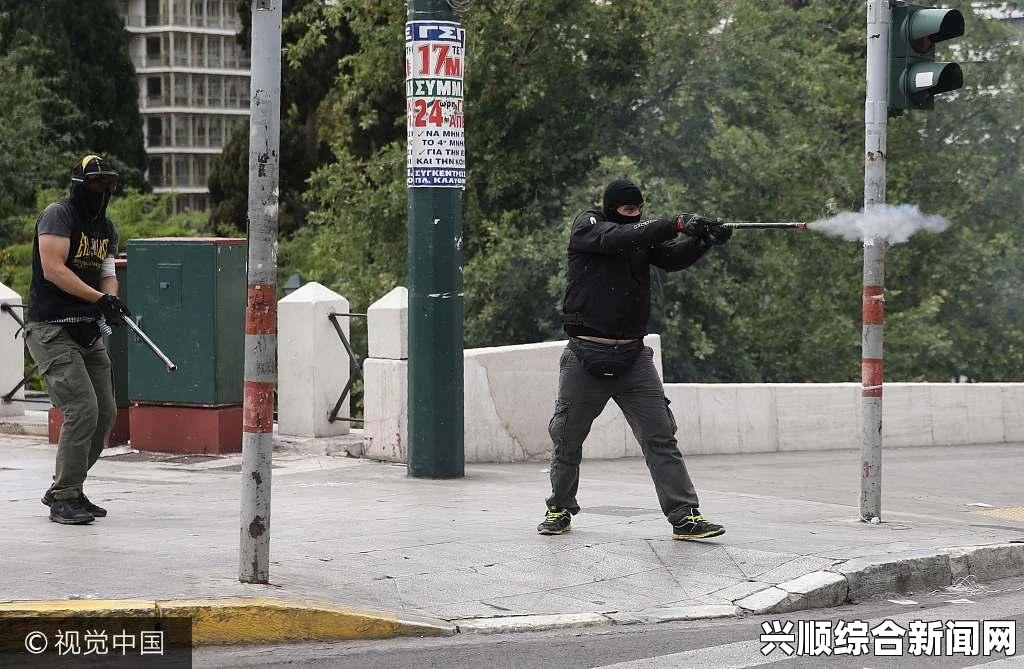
<point x="79" y="51"/>
<point x="534" y="131"/>
<point x="229" y="184"/>
<point x="305" y="82"/>
<point x="749" y="110"/>
<point x="27" y="161"/>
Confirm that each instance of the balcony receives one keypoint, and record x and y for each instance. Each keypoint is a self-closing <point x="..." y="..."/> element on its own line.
<point x="180" y="20"/>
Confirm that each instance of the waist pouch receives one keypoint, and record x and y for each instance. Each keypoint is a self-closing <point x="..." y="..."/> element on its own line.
<point x="84" y="334"/>
<point x="606" y="361"/>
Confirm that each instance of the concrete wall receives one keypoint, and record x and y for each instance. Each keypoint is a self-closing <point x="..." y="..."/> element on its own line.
<point x="755" y="418"/>
<point x="510" y="394"/>
<point x="509" y="399"/>
<point x="12" y="352"/>
<point x="386" y="378"/>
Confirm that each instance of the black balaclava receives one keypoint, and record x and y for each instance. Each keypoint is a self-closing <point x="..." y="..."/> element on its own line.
<point x="618" y="193"/>
<point x="92" y="203"/>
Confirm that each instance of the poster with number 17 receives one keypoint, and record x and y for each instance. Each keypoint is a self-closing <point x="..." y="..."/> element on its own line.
<point x="434" y="66"/>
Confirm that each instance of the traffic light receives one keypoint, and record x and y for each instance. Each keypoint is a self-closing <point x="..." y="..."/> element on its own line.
<point x="914" y="76"/>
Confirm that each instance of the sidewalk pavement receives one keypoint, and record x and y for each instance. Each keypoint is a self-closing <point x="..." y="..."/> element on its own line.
<point x="358" y="549"/>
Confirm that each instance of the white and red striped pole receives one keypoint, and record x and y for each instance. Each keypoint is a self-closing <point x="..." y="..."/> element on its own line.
<point x="879" y="22"/>
<point x="261" y="302"/>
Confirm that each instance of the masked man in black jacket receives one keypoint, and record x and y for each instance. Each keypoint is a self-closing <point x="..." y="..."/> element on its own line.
<point x="606" y="308"/>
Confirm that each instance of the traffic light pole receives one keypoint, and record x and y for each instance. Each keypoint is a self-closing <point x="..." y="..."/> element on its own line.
<point x="436" y="168"/>
<point x="879" y="23"/>
<point x="261" y="300"/>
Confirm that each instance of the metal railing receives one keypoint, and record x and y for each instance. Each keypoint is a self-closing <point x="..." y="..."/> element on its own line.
<point x="355" y="368"/>
<point x="9" y="309"/>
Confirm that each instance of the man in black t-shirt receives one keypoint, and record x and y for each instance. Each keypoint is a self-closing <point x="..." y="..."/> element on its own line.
<point x="72" y="299"/>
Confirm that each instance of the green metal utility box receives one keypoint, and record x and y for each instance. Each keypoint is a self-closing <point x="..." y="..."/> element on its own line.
<point x="188" y="294"/>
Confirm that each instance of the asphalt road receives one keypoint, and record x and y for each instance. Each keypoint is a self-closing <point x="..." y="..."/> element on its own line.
<point x="721" y="644"/>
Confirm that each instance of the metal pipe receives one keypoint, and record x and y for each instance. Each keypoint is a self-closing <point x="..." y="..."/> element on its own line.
<point x="261" y="300"/>
<point x="354" y="365"/>
<point x="9" y="397"/>
<point x="750" y="225"/>
<point x="10" y="310"/>
<point x="149" y="343"/>
<point x="879" y="24"/>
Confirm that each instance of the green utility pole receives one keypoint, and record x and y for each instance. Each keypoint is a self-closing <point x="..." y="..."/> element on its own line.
<point x="436" y="178"/>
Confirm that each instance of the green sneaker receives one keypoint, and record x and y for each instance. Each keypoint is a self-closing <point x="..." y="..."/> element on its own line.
<point x="556" y="521"/>
<point x="696" y="526"/>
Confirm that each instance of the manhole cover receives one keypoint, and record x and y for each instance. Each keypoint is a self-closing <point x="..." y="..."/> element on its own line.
<point x="1006" y="513"/>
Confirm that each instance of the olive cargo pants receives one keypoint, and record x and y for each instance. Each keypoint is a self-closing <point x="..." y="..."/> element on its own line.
<point x="641" y="396"/>
<point x="80" y="385"/>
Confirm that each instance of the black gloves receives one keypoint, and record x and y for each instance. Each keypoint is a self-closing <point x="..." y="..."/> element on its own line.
<point x="717" y="234"/>
<point x="113" y="309"/>
<point x="710" y="230"/>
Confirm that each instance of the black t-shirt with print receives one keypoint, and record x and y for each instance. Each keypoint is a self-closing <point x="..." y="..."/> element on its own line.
<point x="91" y="242"/>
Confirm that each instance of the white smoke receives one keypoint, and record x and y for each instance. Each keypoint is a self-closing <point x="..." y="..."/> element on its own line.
<point x="893" y="223"/>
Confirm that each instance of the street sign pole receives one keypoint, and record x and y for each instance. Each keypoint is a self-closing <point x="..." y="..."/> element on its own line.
<point x="879" y="20"/>
<point x="436" y="175"/>
<point x="261" y="301"/>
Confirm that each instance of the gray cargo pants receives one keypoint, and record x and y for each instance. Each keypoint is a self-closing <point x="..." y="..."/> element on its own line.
<point x="641" y="396"/>
<point x="80" y="385"/>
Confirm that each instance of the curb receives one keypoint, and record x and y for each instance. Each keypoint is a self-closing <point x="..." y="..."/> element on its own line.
<point x="246" y="620"/>
<point x="23" y="428"/>
<point x="864" y="578"/>
<point x="265" y="620"/>
<point x="846" y="582"/>
<point x="532" y="623"/>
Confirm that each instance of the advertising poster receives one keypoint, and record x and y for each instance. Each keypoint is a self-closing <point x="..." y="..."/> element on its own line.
<point x="434" y="58"/>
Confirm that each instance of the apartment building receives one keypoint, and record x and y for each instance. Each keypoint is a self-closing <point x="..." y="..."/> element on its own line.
<point x="193" y="88"/>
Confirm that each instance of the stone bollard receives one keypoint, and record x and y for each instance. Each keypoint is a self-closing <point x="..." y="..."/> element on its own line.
<point x="12" y="351"/>
<point x="312" y="364"/>
<point x="385" y="373"/>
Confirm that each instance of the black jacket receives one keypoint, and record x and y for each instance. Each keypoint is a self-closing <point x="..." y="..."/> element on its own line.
<point x="609" y="279"/>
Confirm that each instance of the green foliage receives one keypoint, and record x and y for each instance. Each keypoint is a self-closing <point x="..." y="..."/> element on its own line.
<point x="26" y="159"/>
<point x="229" y="184"/>
<point x="314" y="44"/>
<point x="749" y="110"/>
<point x="79" y="52"/>
<point x="135" y="214"/>
<point x="140" y="215"/>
